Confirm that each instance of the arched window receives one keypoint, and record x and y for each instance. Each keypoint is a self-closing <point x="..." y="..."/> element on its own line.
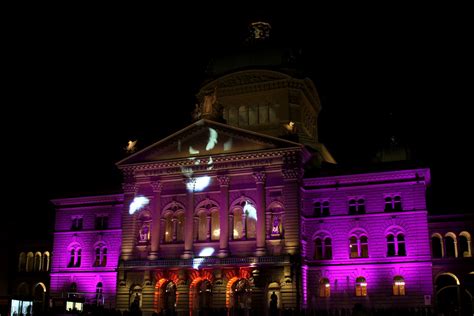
<point x="327" y="248"/>
<point x="72" y="258"/>
<point x="180" y="227"/>
<point x="206" y="221"/>
<point x="318" y="249"/>
<point x="450" y="246"/>
<point x="364" y="247"/>
<point x="322" y="248"/>
<point x="78" y="257"/>
<point x="37" y="266"/>
<point x="251" y="228"/>
<point x="398" y="286"/>
<point x="359" y="247"/>
<point x="354" y="247"/>
<point x="168" y="228"/>
<point x="100" y="256"/>
<point x="215" y="226"/>
<point x="29" y="262"/>
<point x="203" y="228"/>
<point x="465" y="244"/>
<point x="401" y="251"/>
<point x="97" y="257"/>
<point x="244" y="217"/>
<point x="22" y="262"/>
<point x="396" y="246"/>
<point x="391" y="245"/>
<point x="75" y="257"/>
<point x="437" y="246"/>
<point x="361" y="286"/>
<point x="238" y="224"/>
<point x="324" y="288"/>
<point x="104" y="257"/>
<point x="46" y="261"/>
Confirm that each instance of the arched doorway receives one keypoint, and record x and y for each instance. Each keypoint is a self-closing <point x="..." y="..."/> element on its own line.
<point x="273" y="298"/>
<point x="468" y="306"/>
<point x="240" y="296"/>
<point x="205" y="296"/>
<point x="169" y="298"/>
<point x="135" y="299"/>
<point x="447" y="294"/>
<point x="165" y="297"/>
<point x="39" y="296"/>
<point x="201" y="297"/>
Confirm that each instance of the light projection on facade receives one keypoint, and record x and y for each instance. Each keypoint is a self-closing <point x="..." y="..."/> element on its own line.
<point x="250" y="210"/>
<point x="137" y="203"/>
<point x="201" y="182"/>
<point x="205" y="252"/>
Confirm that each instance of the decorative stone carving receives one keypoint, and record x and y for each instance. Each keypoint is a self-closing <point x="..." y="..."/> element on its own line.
<point x="291" y="174"/>
<point x="259" y="177"/>
<point x="223" y="180"/>
<point x="129" y="188"/>
<point x="157" y="186"/>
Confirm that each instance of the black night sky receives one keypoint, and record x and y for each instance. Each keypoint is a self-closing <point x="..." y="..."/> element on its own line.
<point x="80" y="85"/>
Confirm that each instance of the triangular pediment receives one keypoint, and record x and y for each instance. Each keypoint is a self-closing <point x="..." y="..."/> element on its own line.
<point x="206" y="138"/>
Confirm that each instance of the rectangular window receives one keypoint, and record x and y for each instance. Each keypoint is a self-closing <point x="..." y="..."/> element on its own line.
<point x="101" y="222"/>
<point x="77" y="223"/>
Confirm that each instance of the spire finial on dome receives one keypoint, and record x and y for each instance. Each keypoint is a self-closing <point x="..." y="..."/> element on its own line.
<point x="260" y="30"/>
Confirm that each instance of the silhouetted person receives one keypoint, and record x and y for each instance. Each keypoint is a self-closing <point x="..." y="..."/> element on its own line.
<point x="273" y="304"/>
<point x="135" y="306"/>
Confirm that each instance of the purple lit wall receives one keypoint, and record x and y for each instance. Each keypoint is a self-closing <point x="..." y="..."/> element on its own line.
<point x="359" y="207"/>
<point x="86" y="247"/>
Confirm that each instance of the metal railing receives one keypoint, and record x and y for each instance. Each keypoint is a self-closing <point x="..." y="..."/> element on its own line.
<point x="209" y="261"/>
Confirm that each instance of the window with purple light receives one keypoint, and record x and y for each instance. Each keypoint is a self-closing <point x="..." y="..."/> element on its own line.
<point x="358" y="247"/>
<point x="361" y="287"/>
<point x="324" y="288"/>
<point x="398" y="286"/>
<point x="356" y="206"/>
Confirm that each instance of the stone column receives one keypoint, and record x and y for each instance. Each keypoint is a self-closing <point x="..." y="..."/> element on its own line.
<point x="156" y="223"/>
<point x="162" y="230"/>
<point x="129" y="225"/>
<point x="175" y="229"/>
<point x="224" y="217"/>
<point x="291" y="224"/>
<point x="195" y="228"/>
<point x="261" y="208"/>
<point x="208" y="221"/>
<point x="231" y="226"/>
<point x="188" y="234"/>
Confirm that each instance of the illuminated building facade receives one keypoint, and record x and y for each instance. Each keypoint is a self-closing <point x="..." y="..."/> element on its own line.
<point x="220" y="216"/>
<point x="29" y="280"/>
<point x="87" y="241"/>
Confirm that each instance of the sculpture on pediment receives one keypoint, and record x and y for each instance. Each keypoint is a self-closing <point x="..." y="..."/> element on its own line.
<point x="209" y="108"/>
